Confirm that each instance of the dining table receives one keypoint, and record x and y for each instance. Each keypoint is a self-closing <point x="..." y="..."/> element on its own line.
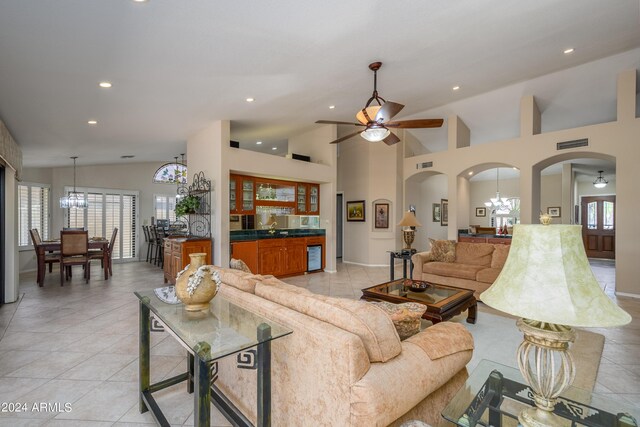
<point x="54" y="246"/>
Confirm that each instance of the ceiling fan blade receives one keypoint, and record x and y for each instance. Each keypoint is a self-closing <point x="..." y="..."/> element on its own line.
<point x="391" y="139"/>
<point x="387" y="111"/>
<point x="333" y="122"/>
<point x="418" y="123"/>
<point x="344" y="138"/>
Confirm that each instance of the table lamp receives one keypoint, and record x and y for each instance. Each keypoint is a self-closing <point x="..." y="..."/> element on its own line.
<point x="409" y="221"/>
<point x="548" y="283"/>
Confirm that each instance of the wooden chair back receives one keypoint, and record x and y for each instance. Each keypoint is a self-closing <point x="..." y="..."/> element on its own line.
<point x="113" y="240"/>
<point x="74" y="242"/>
<point x="35" y="237"/>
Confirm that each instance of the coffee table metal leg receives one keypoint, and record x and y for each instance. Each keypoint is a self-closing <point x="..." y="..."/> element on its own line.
<point x="144" y="353"/>
<point x="202" y="395"/>
<point x="264" y="375"/>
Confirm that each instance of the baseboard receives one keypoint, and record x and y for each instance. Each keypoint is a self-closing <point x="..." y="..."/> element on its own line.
<point x="625" y="294"/>
<point x="365" y="265"/>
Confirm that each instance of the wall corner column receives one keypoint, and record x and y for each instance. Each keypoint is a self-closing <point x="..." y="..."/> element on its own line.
<point x="530" y="117"/>
<point x="458" y="134"/>
<point x="626" y="95"/>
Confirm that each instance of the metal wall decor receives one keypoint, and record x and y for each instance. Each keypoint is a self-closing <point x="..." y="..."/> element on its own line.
<point x="199" y="222"/>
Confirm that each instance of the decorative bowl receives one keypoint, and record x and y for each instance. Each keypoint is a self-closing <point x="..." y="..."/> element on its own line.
<point x="416" y="285"/>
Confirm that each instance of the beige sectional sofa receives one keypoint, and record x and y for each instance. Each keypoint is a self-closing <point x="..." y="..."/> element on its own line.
<point x="476" y="266"/>
<point x="344" y="364"/>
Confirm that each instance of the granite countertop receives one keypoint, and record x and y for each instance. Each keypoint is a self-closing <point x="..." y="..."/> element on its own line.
<point x="247" y="235"/>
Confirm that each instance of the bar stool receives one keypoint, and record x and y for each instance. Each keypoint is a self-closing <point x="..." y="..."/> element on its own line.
<point x="159" y="250"/>
<point x="148" y="241"/>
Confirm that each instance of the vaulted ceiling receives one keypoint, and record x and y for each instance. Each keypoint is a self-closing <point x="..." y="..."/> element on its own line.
<point x="177" y="66"/>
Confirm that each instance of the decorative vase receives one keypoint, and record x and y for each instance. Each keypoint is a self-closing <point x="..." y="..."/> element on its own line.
<point x="545" y="219"/>
<point x="197" y="284"/>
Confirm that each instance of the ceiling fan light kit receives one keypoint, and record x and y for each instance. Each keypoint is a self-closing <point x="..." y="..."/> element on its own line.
<point x="376" y="118"/>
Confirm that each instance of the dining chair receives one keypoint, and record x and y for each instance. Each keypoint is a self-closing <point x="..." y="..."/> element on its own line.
<point x="149" y="241"/>
<point x="99" y="253"/>
<point x="74" y="250"/>
<point x="49" y="258"/>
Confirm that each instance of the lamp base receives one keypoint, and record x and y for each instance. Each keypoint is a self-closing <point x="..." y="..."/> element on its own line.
<point x="547" y="367"/>
<point x="409" y="237"/>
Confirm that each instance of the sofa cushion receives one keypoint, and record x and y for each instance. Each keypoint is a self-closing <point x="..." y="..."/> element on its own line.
<point x="239" y="279"/>
<point x="462" y="271"/>
<point x="443" y="339"/>
<point x="442" y="250"/>
<point x="238" y="264"/>
<point x="499" y="257"/>
<point x="474" y="253"/>
<point x="488" y="275"/>
<point x="272" y="281"/>
<point x="370" y="323"/>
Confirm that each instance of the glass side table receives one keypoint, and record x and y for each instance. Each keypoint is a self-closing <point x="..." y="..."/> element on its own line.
<point x="223" y="330"/>
<point x="494" y="394"/>
<point x="405" y="255"/>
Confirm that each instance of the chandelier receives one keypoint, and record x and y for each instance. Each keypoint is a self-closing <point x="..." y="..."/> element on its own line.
<point x="73" y="199"/>
<point x="600" y="182"/>
<point x="499" y="203"/>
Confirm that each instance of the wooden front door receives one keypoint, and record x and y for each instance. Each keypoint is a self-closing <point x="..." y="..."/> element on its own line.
<point x="598" y="226"/>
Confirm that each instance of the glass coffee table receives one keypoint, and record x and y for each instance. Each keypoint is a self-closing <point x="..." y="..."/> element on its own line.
<point x="495" y="394"/>
<point x="443" y="302"/>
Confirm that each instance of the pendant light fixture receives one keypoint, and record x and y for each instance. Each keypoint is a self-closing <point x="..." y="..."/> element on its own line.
<point x="73" y="199"/>
<point x="499" y="203"/>
<point x="600" y="182"/>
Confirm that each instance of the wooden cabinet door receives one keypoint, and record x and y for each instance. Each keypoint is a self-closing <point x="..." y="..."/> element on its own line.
<point x="313" y="201"/>
<point x="233" y="194"/>
<point x="295" y="256"/>
<point x="271" y="260"/>
<point x="247" y="252"/>
<point x="195" y="246"/>
<point x="245" y="196"/>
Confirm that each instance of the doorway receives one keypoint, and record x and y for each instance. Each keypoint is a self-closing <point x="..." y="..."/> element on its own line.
<point x="598" y="226"/>
<point x="339" y="231"/>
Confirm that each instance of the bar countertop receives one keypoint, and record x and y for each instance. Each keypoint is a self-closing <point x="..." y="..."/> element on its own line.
<point x="248" y="235"/>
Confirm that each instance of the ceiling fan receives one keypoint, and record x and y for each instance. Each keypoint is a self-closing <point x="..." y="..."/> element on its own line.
<point x="376" y="118"/>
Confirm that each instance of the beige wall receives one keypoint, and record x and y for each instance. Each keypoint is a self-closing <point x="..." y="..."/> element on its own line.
<point x="423" y="193"/>
<point x="129" y="176"/>
<point x="209" y="151"/>
<point x="531" y="153"/>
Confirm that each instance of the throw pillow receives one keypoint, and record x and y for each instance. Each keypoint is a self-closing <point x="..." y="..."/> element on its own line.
<point x="442" y="250"/>
<point x="238" y="264"/>
<point x="406" y="316"/>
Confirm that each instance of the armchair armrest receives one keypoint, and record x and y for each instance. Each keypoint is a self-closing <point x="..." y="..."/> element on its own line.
<point x="419" y="259"/>
<point x="443" y="339"/>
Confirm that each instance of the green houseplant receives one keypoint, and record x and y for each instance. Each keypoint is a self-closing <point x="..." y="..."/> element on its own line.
<point x="187" y="205"/>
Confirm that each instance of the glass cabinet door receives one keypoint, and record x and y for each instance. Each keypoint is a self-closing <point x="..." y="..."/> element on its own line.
<point x="232" y="194"/>
<point x="313" y="198"/>
<point x="247" y="194"/>
<point x="301" y="199"/>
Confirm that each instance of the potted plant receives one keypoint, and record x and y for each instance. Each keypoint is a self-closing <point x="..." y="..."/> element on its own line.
<point x="187" y="205"/>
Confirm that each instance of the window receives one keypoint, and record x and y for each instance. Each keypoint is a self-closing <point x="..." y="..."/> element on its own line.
<point x="171" y="173"/>
<point x="33" y="211"/>
<point x="508" y="217"/>
<point x="108" y="209"/>
<point x="164" y="207"/>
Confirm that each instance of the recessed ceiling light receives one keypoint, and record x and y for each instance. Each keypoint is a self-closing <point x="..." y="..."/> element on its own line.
<point x="92" y="122"/>
<point x="105" y="85"/>
<point x="250" y="99"/>
<point x="568" y="51"/>
<point x="127" y="156"/>
<point x="259" y="143"/>
<point x="331" y="107"/>
<point x="140" y="1"/>
<point x="274" y="148"/>
<point x="470" y="172"/>
<point x="455" y="88"/>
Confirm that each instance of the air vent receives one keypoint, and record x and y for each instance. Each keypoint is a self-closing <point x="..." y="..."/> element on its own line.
<point x="424" y="165"/>
<point x="572" y="144"/>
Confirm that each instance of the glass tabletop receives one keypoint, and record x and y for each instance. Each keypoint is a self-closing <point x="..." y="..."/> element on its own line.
<point x="226" y="327"/>
<point x="432" y="295"/>
<point x="471" y="406"/>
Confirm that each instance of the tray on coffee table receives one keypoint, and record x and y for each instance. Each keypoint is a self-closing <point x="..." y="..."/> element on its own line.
<point x="443" y="302"/>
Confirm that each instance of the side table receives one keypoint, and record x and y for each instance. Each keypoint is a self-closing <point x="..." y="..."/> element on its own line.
<point x="405" y="255"/>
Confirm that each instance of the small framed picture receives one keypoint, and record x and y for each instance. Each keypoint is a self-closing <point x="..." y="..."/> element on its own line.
<point x="355" y="210"/>
<point x="554" y="212"/>
<point x="481" y="211"/>
<point x="436" y="212"/>
<point x="444" y="212"/>
<point x="382" y="215"/>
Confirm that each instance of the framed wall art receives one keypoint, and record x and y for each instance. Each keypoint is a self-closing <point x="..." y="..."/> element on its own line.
<point x="436" y="212"/>
<point x="444" y="212"/>
<point x="481" y="211"/>
<point x="355" y="210"/>
<point x="554" y="212"/>
<point x="382" y="215"/>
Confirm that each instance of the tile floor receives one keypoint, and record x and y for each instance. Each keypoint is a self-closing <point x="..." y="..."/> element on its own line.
<point x="78" y="344"/>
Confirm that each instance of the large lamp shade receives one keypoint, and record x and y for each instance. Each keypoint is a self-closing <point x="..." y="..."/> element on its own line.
<point x="547" y="277"/>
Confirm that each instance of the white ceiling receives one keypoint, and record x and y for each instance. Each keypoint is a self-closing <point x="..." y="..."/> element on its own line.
<point x="177" y="66"/>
